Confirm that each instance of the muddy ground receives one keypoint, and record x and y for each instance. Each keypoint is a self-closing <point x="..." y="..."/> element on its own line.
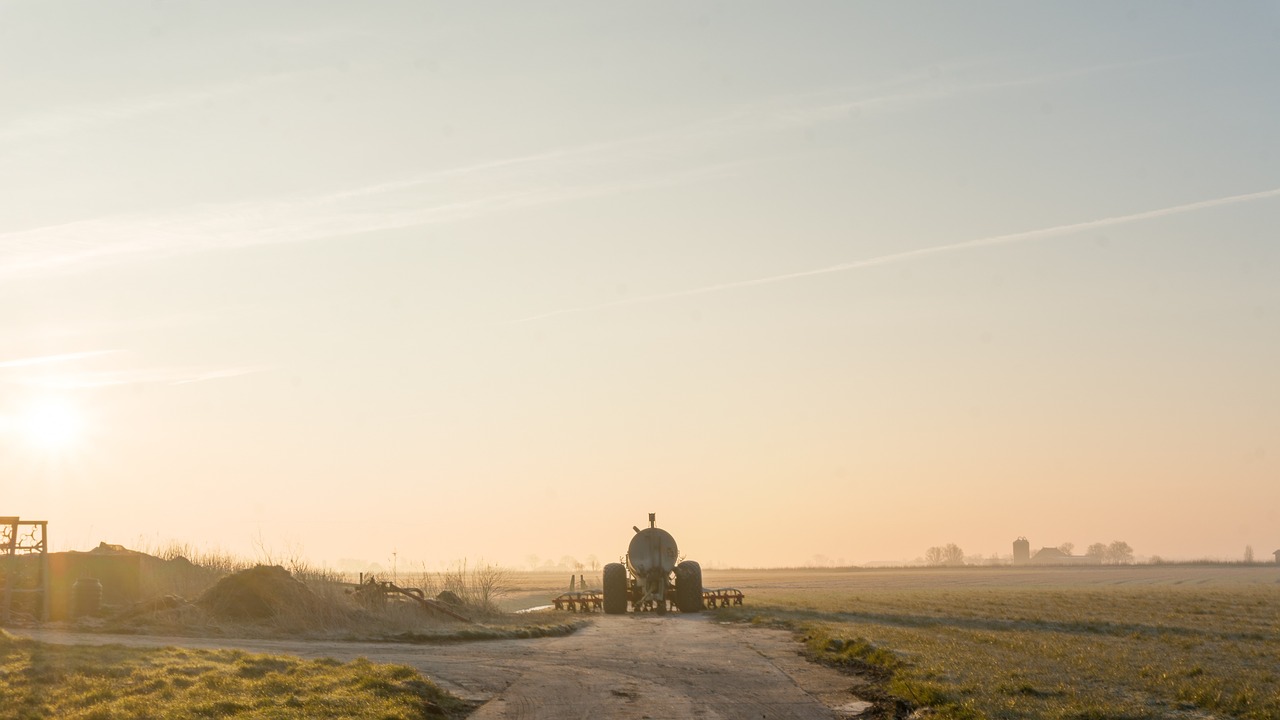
<point x="630" y="666"/>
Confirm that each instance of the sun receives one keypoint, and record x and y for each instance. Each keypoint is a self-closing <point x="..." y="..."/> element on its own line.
<point x="51" y="424"/>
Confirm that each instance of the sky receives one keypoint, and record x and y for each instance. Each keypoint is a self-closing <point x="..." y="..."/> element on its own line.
<point x="820" y="283"/>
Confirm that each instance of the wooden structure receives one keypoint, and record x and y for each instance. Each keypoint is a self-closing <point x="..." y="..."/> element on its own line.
<point x="17" y="538"/>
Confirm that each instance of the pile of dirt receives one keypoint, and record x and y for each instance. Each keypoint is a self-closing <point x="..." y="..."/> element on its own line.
<point x="449" y="597"/>
<point x="106" y="548"/>
<point x="261" y="592"/>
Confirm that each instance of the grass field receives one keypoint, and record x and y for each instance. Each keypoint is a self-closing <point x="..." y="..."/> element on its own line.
<point x="1078" y="643"/>
<point x="39" y="681"/>
<point x="1099" y="642"/>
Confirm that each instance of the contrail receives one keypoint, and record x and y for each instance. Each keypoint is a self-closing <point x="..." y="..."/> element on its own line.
<point x="925" y="252"/>
<point x="69" y="119"/>
<point x="45" y="359"/>
<point x="143" y="376"/>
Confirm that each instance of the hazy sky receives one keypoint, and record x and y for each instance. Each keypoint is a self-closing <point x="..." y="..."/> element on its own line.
<point x="814" y="282"/>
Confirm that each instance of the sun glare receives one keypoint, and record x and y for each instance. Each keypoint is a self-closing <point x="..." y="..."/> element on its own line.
<point x="52" y="424"/>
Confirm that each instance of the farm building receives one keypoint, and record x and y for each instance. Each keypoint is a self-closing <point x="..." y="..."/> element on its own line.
<point x="1054" y="556"/>
<point x="1050" y="556"/>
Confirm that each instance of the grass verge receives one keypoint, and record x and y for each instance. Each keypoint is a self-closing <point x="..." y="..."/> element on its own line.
<point x="39" y="680"/>
<point x="527" y="629"/>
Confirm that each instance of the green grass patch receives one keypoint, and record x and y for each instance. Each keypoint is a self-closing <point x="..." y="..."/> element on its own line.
<point x="113" y="682"/>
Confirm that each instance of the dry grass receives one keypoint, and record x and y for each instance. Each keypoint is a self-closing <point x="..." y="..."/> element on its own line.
<point x="177" y="587"/>
<point x="188" y="570"/>
<point x="1133" y="642"/>
<point x="480" y="587"/>
<point x="112" y="682"/>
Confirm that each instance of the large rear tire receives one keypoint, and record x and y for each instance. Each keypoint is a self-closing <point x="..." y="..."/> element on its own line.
<point x="689" y="587"/>
<point x="615" y="588"/>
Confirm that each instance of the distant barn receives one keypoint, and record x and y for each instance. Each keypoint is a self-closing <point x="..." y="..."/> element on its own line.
<point x="1054" y="556"/>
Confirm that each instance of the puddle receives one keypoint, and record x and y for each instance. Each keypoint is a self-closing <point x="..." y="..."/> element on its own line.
<point x="854" y="708"/>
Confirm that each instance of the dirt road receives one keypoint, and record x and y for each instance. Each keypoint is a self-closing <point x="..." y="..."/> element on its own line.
<point x="631" y="666"/>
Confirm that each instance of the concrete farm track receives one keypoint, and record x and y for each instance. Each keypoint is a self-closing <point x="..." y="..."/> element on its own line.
<point x="631" y="666"/>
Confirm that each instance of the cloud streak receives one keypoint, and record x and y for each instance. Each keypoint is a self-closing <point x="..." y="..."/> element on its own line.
<point x="145" y="376"/>
<point x="35" y="371"/>
<point x="920" y="87"/>
<point x="83" y="117"/>
<point x="51" y="359"/>
<point x="469" y="191"/>
<point x="74" y="245"/>
<point x="920" y="253"/>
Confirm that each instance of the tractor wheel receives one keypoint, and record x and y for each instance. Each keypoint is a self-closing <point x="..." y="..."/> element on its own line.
<point x="689" y="586"/>
<point x="615" y="588"/>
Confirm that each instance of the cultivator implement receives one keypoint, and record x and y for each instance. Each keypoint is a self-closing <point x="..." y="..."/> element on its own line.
<point x="590" y="601"/>
<point x="377" y="592"/>
<point x="713" y="598"/>
<point x="593" y="600"/>
<point x="584" y="601"/>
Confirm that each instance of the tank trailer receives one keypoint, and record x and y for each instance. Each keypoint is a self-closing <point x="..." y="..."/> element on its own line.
<point x="651" y="578"/>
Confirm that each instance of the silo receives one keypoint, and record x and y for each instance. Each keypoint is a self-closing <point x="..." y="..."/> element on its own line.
<point x="1021" y="551"/>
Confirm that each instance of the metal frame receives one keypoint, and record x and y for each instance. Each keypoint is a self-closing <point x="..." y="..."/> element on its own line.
<point x="23" y="537"/>
<point x="590" y="600"/>
<point x="721" y="597"/>
<point x="376" y="592"/>
<point x="584" y="601"/>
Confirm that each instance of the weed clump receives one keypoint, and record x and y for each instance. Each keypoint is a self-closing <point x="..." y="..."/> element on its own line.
<point x="856" y="653"/>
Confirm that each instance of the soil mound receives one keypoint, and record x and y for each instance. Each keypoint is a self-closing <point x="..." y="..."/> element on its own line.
<point x="106" y="548"/>
<point x="260" y="592"/>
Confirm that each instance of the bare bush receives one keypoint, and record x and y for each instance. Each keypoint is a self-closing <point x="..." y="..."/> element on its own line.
<point x="479" y="587"/>
<point x="950" y="554"/>
<point x="1117" y="553"/>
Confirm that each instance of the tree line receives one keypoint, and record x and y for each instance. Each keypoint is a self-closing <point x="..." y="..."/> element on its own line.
<point x="1118" y="552"/>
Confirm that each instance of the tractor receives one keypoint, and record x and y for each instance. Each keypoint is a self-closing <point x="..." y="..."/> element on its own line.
<point x="651" y="578"/>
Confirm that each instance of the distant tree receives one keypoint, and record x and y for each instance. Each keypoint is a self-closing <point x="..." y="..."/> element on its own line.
<point x="935" y="555"/>
<point x="532" y="560"/>
<point x="1067" y="547"/>
<point x="1097" y="550"/>
<point x="1119" y="553"/>
<point x="952" y="554"/>
<point x="1248" y="553"/>
<point x="593" y="563"/>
